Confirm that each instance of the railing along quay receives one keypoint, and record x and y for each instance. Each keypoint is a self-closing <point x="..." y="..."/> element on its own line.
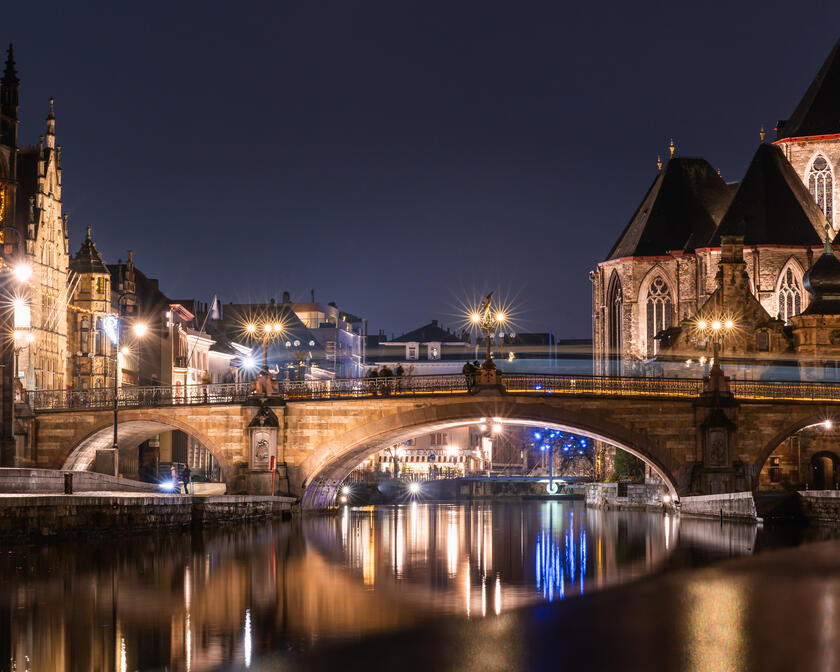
<point x="403" y="386"/>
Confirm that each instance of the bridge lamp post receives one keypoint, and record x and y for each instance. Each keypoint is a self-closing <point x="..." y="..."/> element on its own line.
<point x="112" y="326"/>
<point x="265" y="332"/>
<point x="716" y="330"/>
<point x="300" y="354"/>
<point x="488" y="319"/>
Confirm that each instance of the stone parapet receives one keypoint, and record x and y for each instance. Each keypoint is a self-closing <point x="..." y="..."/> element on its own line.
<point x="632" y="496"/>
<point x="732" y="505"/>
<point x="52" y="481"/>
<point x="822" y="506"/>
<point x="53" y="515"/>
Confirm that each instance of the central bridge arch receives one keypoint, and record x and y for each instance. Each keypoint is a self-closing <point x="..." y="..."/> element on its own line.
<point x="323" y="469"/>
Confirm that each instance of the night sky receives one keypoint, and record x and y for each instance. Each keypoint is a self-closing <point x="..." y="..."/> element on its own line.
<point x="399" y="158"/>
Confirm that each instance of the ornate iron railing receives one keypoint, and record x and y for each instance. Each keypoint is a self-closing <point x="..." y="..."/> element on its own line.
<point x="785" y="391"/>
<point x="403" y="386"/>
<point x="603" y="385"/>
<point x="136" y="397"/>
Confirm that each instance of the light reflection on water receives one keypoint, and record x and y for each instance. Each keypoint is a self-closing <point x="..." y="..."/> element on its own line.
<point x="196" y="601"/>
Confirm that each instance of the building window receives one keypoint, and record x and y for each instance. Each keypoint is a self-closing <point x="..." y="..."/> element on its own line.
<point x="100" y="285"/>
<point x="659" y="313"/>
<point x="790" y="296"/>
<point x="411" y="351"/>
<point x="763" y="341"/>
<point x="440" y="439"/>
<point x="821" y="186"/>
<point x="614" y="317"/>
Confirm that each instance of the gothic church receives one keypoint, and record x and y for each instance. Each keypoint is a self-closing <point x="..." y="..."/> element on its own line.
<point x="665" y="265"/>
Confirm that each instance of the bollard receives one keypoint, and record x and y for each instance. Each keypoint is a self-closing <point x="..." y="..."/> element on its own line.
<point x="68" y="483"/>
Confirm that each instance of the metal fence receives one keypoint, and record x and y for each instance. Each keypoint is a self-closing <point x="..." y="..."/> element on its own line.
<point x="406" y="386"/>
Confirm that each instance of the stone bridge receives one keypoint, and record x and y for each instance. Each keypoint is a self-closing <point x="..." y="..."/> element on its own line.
<point x="700" y="437"/>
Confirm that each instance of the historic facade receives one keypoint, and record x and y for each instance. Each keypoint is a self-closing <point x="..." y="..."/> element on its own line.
<point x="35" y="230"/>
<point x="665" y="266"/>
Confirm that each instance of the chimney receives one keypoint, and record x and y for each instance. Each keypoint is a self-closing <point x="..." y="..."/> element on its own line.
<point x="313" y="295"/>
<point x="286" y="297"/>
<point x="434" y="323"/>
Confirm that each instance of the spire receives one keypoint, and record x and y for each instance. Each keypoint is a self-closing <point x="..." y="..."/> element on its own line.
<point x="10" y="74"/>
<point x="87" y="233"/>
<point x="51" y="125"/>
<point x="672" y="147"/>
<point x="9" y="87"/>
<point x="659" y="163"/>
<point x="761" y="134"/>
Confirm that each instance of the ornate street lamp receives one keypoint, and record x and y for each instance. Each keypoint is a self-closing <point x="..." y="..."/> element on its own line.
<point x="715" y="330"/>
<point x="488" y="318"/>
<point x="265" y="331"/>
<point x="300" y="354"/>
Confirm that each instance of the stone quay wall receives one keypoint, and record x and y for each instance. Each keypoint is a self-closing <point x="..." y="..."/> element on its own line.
<point x="821" y="506"/>
<point x="52" y="481"/>
<point x="56" y="515"/>
<point x="732" y="505"/>
<point x="638" y="497"/>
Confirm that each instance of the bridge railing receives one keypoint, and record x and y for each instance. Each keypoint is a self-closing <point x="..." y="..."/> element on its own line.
<point x="785" y="391"/>
<point x="366" y="388"/>
<point x="139" y="396"/>
<point x="603" y="385"/>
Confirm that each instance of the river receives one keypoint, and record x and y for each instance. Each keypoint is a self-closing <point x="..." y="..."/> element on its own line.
<point x="231" y="596"/>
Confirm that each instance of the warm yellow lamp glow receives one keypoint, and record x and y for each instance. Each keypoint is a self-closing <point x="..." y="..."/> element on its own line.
<point x="716" y="325"/>
<point x="702" y="324"/>
<point x="140" y="329"/>
<point x="251" y="328"/>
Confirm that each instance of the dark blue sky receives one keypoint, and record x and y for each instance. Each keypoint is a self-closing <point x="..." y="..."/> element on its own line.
<point x="397" y="157"/>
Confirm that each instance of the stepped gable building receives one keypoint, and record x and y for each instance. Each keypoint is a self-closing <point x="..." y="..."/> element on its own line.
<point x="665" y="266"/>
<point x="30" y="203"/>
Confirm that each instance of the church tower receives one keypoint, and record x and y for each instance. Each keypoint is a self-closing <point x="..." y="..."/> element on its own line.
<point x="9" y="91"/>
<point x="810" y="138"/>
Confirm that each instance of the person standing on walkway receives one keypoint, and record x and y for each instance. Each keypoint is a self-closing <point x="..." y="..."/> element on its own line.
<point x="185" y="477"/>
<point x="469" y="374"/>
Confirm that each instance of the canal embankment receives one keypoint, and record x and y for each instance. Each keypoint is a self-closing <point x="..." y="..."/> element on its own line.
<point x="49" y="515"/>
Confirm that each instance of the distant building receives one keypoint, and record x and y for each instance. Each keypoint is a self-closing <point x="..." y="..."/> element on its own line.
<point x="320" y="339"/>
<point x="427" y="350"/>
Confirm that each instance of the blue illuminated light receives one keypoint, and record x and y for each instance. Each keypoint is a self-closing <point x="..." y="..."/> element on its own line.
<point x="538" y="387"/>
<point x="565" y="449"/>
<point x="537" y="436"/>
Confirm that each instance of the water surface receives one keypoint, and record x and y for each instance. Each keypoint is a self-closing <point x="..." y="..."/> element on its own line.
<point x="226" y="597"/>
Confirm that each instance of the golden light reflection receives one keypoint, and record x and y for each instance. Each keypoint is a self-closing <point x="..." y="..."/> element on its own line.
<point x="715" y="623"/>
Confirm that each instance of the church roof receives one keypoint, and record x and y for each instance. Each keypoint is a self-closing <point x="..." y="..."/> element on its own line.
<point x="818" y="113"/>
<point x="772" y="206"/>
<point x="88" y="259"/>
<point x="679" y="211"/>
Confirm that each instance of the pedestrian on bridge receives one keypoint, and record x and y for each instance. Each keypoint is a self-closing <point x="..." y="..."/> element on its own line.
<point x="469" y="375"/>
<point x="185" y="477"/>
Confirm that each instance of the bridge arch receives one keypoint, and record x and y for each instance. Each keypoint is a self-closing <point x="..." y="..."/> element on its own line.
<point x="809" y="417"/>
<point x="135" y="427"/>
<point x="328" y="464"/>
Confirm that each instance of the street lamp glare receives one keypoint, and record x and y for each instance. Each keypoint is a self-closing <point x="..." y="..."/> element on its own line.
<point x="124" y="350"/>
<point x="716" y="325"/>
<point x="497" y="427"/>
<point x="702" y="324"/>
<point x="140" y="329"/>
<point x="18" y="335"/>
<point x="278" y="327"/>
<point x="729" y="324"/>
<point x="22" y="272"/>
<point x="476" y="318"/>
<point x="267" y="328"/>
<point x="500" y="317"/>
<point x="251" y="328"/>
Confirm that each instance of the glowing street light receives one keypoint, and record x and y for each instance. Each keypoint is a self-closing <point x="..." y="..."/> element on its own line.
<point x="488" y="319"/>
<point x="414" y="488"/>
<point x="716" y="331"/>
<point x="22" y="272"/>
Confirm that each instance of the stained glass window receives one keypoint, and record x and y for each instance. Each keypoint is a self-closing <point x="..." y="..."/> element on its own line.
<point x="659" y="313"/>
<point x="614" y="317"/>
<point x="821" y="186"/>
<point x="790" y="296"/>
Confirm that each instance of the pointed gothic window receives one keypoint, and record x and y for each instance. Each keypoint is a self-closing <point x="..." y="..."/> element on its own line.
<point x="821" y="186"/>
<point x="659" y="313"/>
<point x="790" y="296"/>
<point x="614" y="318"/>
